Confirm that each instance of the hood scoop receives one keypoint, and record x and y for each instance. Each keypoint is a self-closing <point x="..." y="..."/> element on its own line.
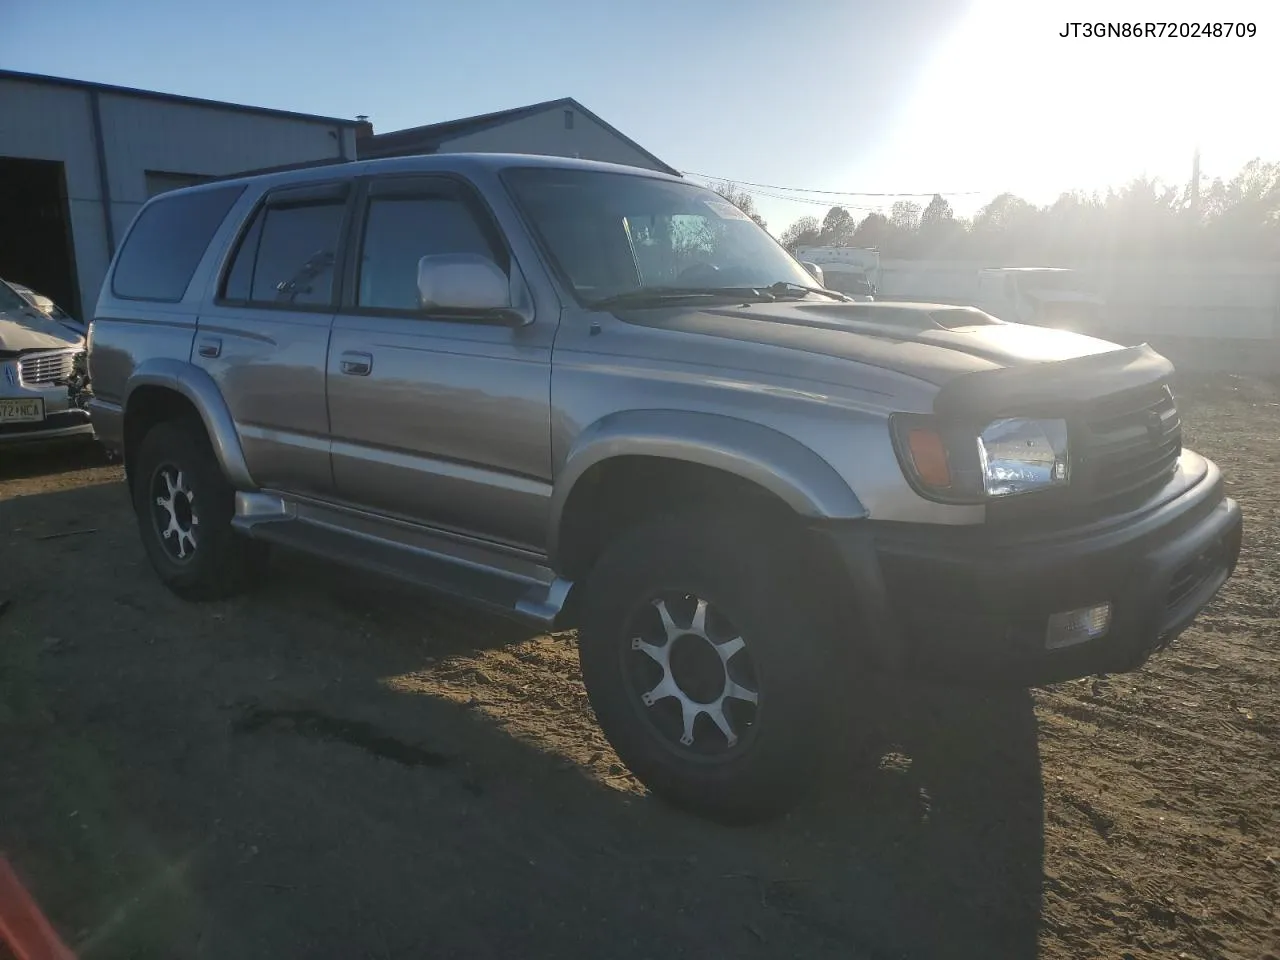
<point x="905" y="318"/>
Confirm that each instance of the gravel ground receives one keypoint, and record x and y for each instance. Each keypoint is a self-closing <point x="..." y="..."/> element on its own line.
<point x="332" y="767"/>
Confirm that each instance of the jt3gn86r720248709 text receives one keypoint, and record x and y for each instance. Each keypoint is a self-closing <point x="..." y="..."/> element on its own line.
<point x="1159" y="30"/>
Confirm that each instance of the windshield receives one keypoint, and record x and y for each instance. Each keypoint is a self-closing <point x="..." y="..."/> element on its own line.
<point x="847" y="280"/>
<point x="10" y="301"/>
<point x="1059" y="281"/>
<point x="613" y="233"/>
<point x="1067" y="309"/>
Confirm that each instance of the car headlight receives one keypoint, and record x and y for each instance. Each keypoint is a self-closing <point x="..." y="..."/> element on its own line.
<point x="1018" y="455"/>
<point x="961" y="463"/>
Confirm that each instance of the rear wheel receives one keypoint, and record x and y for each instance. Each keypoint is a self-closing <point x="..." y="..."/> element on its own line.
<point x="705" y="664"/>
<point x="184" y="507"/>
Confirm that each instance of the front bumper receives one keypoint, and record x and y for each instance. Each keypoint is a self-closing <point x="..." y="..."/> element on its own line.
<point x="63" y="420"/>
<point x="974" y="602"/>
<point x="60" y="427"/>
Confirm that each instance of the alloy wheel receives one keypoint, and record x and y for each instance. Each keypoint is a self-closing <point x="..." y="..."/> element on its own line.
<point x="174" y="514"/>
<point x="692" y="676"/>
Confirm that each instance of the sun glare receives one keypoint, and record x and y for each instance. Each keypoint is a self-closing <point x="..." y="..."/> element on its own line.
<point x="1009" y="104"/>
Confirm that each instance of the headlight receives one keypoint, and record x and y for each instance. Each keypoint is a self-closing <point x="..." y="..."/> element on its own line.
<point x="964" y="463"/>
<point x="1019" y="455"/>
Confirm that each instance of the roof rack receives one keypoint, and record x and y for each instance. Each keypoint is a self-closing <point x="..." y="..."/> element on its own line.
<point x="281" y="168"/>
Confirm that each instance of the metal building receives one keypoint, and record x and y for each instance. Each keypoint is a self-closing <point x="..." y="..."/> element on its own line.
<point x="559" y="128"/>
<point x="78" y="159"/>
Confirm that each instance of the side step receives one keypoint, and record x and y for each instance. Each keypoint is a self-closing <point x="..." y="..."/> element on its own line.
<point x="507" y="583"/>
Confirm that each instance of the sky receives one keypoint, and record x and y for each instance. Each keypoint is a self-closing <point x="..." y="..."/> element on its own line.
<point x="965" y="97"/>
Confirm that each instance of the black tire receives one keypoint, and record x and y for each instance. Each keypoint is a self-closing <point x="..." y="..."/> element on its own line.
<point x="221" y="563"/>
<point x="750" y="576"/>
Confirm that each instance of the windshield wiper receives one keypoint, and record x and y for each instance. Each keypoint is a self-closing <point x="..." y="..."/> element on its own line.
<point x="642" y="296"/>
<point x="784" y="287"/>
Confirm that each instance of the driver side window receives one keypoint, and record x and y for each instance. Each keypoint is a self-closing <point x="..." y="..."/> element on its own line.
<point x="399" y="231"/>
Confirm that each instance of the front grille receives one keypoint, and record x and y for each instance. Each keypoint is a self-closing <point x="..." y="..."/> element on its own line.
<point x="1129" y="444"/>
<point x="47" y="367"/>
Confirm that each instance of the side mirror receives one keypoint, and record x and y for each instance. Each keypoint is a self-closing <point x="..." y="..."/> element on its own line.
<point x="815" y="271"/>
<point x="466" y="283"/>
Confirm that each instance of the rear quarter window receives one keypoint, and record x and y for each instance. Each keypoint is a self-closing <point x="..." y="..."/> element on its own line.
<point x="163" y="249"/>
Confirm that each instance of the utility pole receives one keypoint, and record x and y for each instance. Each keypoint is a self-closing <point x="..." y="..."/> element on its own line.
<point x="1195" y="183"/>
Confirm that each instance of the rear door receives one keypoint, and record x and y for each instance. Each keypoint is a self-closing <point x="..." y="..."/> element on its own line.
<point x="265" y="338"/>
<point x="442" y="420"/>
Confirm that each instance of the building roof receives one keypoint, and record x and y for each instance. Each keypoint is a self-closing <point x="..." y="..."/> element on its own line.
<point x="170" y="97"/>
<point x="428" y="138"/>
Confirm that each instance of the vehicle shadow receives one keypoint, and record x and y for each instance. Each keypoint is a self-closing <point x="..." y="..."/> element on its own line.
<point x="18" y="462"/>
<point x="241" y="779"/>
<point x="942" y="840"/>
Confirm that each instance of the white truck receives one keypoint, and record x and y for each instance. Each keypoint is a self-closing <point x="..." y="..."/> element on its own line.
<point x="1042" y="296"/>
<point x="851" y="270"/>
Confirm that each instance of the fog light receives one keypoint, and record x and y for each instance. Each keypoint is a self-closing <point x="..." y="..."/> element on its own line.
<point x="1076" y="626"/>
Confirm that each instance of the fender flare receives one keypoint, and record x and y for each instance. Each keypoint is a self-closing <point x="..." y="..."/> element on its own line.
<point x="766" y="457"/>
<point x="198" y="387"/>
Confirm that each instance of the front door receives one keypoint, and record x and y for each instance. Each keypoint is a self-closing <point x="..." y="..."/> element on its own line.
<point x="265" y="338"/>
<point x="444" y="421"/>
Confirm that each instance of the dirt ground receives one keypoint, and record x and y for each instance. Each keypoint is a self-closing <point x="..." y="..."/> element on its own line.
<point x="334" y="768"/>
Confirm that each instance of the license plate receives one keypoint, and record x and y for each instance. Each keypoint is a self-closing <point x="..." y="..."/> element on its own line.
<point x="22" y="411"/>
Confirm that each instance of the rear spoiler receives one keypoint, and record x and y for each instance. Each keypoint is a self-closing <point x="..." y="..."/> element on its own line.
<point x="1058" y="385"/>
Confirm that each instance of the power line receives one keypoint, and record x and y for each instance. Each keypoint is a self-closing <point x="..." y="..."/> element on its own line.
<point x="837" y="193"/>
<point x="814" y="201"/>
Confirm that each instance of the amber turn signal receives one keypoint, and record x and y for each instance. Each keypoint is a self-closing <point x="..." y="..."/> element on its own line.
<point x="929" y="457"/>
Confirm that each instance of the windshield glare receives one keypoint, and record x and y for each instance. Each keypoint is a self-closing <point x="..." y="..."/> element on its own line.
<point x="11" y="301"/>
<point x="612" y="233"/>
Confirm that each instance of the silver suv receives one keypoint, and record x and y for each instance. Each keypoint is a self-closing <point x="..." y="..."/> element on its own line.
<point x="586" y="395"/>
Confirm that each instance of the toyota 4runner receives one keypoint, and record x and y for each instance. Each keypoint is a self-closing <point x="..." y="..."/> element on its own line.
<point x="587" y="395"/>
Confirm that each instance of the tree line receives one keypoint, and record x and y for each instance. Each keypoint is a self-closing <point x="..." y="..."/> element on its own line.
<point x="1237" y="218"/>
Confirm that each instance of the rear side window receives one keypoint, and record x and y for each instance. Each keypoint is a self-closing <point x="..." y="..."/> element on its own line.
<point x="166" y="244"/>
<point x="288" y="253"/>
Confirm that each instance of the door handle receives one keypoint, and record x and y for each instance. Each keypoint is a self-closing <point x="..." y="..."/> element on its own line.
<point x="210" y="347"/>
<point x="355" y="364"/>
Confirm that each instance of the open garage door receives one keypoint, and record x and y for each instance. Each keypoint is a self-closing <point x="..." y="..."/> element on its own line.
<point x="35" y="237"/>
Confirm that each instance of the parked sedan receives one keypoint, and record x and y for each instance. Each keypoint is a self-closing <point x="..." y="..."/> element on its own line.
<point x="46" y="306"/>
<point x="41" y="374"/>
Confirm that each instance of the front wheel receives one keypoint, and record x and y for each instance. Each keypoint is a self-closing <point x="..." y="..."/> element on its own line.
<point x="704" y="663"/>
<point x="184" y="507"/>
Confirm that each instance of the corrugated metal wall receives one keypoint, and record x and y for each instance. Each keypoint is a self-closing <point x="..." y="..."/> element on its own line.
<point x="53" y="122"/>
<point x="40" y="122"/>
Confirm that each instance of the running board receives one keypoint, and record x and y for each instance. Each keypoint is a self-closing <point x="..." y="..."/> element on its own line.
<point x="509" y="582"/>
